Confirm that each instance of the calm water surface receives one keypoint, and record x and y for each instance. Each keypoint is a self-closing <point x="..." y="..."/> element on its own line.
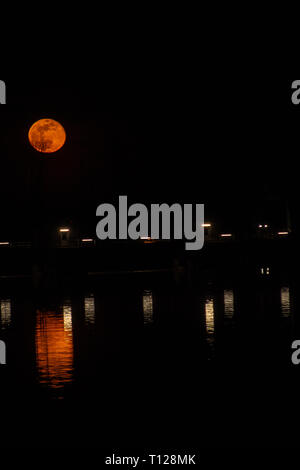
<point x="120" y="347"/>
<point x="98" y="322"/>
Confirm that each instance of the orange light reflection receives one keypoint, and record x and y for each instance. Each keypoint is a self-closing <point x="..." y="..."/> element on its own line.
<point x="54" y="349"/>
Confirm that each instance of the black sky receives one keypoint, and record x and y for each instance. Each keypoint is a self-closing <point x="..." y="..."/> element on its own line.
<point x="156" y="137"/>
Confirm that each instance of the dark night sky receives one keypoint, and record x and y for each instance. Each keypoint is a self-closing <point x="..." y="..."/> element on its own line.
<point x="157" y="137"/>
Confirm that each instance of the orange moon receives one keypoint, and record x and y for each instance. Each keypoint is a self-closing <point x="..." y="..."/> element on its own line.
<point x="47" y="135"/>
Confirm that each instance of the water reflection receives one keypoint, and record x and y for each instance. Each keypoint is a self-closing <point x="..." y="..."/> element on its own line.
<point x="54" y="347"/>
<point x="210" y="324"/>
<point x="209" y="317"/>
<point x="285" y="302"/>
<point x="89" y="310"/>
<point x="228" y="304"/>
<point x="67" y="313"/>
<point x="265" y="271"/>
<point x="5" y="313"/>
<point x="148" y="307"/>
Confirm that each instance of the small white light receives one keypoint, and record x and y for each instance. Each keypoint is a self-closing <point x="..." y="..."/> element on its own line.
<point x="4" y="243"/>
<point x="260" y="226"/>
<point x="266" y="226"/>
<point x="64" y="230"/>
<point x="206" y="225"/>
<point x="87" y="240"/>
<point x="226" y="235"/>
<point x="145" y="238"/>
<point x="283" y="233"/>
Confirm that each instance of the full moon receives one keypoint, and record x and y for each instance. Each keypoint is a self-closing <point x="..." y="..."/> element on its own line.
<point x="47" y="135"/>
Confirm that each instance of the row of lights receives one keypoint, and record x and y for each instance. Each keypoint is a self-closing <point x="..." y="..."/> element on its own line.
<point x="205" y="225"/>
<point x="61" y="230"/>
<point x="223" y="235"/>
<point x="84" y="240"/>
<point x="278" y="233"/>
<point x="226" y="235"/>
<point x="149" y="238"/>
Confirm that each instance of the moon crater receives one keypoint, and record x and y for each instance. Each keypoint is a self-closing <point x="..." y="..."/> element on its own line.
<point x="47" y="135"/>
